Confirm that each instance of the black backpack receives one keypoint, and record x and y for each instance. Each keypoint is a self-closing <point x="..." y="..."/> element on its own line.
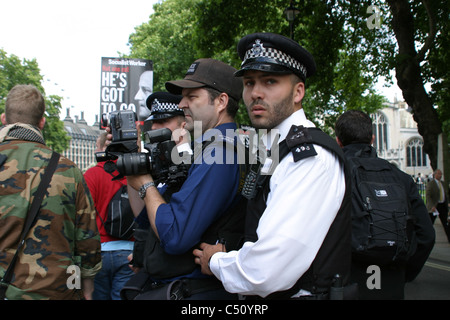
<point x="120" y="221"/>
<point x="382" y="227"/>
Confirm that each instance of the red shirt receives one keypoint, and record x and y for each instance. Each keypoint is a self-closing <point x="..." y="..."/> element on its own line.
<point x="102" y="189"/>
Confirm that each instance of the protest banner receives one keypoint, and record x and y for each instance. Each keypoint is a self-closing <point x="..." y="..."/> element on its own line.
<point x="125" y="85"/>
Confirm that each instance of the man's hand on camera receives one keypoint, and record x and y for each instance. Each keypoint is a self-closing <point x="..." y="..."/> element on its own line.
<point x="109" y="136"/>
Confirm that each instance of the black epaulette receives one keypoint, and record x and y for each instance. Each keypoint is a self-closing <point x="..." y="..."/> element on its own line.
<point x="300" y="143"/>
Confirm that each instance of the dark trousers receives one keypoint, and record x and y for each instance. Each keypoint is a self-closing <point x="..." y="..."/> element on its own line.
<point x="391" y="281"/>
<point x="442" y="208"/>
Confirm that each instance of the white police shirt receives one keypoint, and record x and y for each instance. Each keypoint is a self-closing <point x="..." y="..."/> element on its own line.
<point x="303" y="201"/>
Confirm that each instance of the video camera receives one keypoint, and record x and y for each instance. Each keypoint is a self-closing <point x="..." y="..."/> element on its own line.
<point x="123" y="148"/>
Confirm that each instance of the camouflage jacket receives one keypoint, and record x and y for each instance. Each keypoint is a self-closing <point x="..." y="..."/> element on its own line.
<point x="65" y="233"/>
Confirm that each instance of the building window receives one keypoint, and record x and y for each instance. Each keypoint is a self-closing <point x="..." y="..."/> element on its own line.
<point x="379" y="128"/>
<point x="415" y="154"/>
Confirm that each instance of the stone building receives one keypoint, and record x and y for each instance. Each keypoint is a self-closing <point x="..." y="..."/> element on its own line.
<point x="82" y="142"/>
<point x="398" y="140"/>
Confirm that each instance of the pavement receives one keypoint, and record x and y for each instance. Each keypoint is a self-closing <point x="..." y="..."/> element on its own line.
<point x="441" y="249"/>
<point x="433" y="283"/>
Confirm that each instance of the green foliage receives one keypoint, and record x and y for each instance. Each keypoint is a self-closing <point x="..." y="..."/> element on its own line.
<point x="350" y="56"/>
<point x="167" y="40"/>
<point x="14" y="71"/>
<point x="437" y="71"/>
<point x="222" y="23"/>
<point x="55" y="134"/>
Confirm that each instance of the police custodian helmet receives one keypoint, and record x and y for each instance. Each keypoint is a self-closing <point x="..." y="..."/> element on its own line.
<point x="274" y="53"/>
<point x="163" y="105"/>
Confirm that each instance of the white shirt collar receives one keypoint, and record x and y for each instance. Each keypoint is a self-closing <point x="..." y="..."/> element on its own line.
<point x="297" y="118"/>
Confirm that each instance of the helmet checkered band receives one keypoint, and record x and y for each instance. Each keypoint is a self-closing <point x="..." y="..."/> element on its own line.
<point x="280" y="57"/>
<point x="164" y="106"/>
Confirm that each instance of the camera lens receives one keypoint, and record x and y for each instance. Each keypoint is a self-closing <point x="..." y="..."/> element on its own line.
<point x="133" y="163"/>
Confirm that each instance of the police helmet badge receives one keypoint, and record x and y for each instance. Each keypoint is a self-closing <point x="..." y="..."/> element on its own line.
<point x="258" y="48"/>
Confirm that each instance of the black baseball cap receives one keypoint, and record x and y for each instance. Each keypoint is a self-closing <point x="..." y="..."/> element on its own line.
<point x="271" y="52"/>
<point x="209" y="73"/>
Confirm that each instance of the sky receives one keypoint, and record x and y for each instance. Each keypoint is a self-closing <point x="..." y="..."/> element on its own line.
<point x="68" y="40"/>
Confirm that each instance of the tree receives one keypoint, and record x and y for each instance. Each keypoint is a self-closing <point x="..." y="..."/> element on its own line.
<point x="351" y="54"/>
<point x="181" y="31"/>
<point x="342" y="80"/>
<point x="167" y="40"/>
<point x="352" y="45"/>
<point x="14" y="71"/>
<point x="408" y="20"/>
<point x="55" y="135"/>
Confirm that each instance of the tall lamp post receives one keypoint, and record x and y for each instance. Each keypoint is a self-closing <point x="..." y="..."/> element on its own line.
<point x="290" y="13"/>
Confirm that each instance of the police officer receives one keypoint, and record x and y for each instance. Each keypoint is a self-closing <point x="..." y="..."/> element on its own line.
<point x="165" y="113"/>
<point x="163" y="106"/>
<point x="298" y="225"/>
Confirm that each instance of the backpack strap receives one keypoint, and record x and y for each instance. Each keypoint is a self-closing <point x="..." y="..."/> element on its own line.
<point x="114" y="178"/>
<point x="31" y="217"/>
<point x="239" y="148"/>
<point x="300" y="141"/>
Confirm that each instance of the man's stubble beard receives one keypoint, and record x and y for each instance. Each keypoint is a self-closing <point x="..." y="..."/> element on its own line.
<point x="278" y="113"/>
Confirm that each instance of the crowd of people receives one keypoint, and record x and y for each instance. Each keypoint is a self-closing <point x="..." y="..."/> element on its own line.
<point x="279" y="227"/>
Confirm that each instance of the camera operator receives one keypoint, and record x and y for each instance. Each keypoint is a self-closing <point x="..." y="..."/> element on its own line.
<point x="210" y="95"/>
